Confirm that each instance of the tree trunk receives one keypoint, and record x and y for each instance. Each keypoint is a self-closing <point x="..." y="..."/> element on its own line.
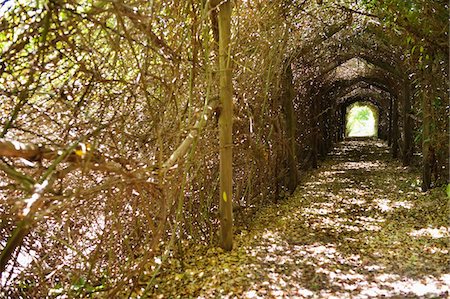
<point x="390" y="122"/>
<point x="291" y="124"/>
<point x="314" y="133"/>
<point x="395" y="133"/>
<point x="341" y="128"/>
<point x="15" y="241"/>
<point x="407" y="125"/>
<point x="426" y="135"/>
<point x="314" y="157"/>
<point x="225" y="125"/>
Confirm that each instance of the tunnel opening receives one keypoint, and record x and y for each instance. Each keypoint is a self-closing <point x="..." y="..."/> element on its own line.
<point x="361" y="120"/>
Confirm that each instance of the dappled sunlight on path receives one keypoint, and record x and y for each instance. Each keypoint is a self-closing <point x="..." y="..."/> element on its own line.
<point x="358" y="227"/>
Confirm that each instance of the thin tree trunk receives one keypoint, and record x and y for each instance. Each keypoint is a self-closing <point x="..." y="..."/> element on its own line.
<point x="426" y="135"/>
<point x="342" y="124"/>
<point x="390" y="123"/>
<point x="339" y="124"/>
<point x="407" y="125"/>
<point x="14" y="242"/>
<point x="314" y="130"/>
<point x="291" y="124"/>
<point x="395" y="133"/>
<point x="225" y="125"/>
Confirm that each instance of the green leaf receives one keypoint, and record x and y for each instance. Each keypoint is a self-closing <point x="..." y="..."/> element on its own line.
<point x="79" y="284"/>
<point x="448" y="190"/>
<point x="46" y="26"/>
<point x="437" y="103"/>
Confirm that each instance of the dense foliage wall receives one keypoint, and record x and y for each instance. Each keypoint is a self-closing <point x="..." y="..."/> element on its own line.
<point x="129" y="81"/>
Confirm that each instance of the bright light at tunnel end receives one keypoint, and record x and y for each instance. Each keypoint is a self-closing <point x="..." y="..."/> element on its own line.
<point x="361" y="120"/>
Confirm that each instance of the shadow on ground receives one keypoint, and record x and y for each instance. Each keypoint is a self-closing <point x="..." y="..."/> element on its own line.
<point x="358" y="227"/>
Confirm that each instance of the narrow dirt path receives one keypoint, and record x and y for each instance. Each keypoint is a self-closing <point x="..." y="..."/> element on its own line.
<point x="357" y="227"/>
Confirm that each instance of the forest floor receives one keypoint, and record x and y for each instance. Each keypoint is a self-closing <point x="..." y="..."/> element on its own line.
<point x="357" y="227"/>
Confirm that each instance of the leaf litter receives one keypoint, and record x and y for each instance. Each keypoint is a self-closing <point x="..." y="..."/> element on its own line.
<point x="357" y="227"/>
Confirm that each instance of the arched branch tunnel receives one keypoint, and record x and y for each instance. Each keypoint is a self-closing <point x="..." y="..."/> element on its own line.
<point x="160" y="123"/>
<point x="362" y="69"/>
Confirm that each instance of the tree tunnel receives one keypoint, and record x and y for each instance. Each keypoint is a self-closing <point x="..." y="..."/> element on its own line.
<point x="163" y="120"/>
<point x="360" y="67"/>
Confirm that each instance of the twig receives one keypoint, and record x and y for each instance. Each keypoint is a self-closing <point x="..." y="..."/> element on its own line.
<point x="367" y="14"/>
